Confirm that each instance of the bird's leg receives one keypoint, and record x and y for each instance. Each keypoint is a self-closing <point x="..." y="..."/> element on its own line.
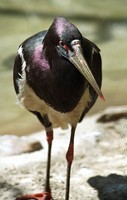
<point x="49" y="137"/>
<point x="69" y="157"/>
<point x="49" y="134"/>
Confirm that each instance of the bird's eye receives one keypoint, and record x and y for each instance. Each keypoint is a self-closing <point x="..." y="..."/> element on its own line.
<point x="61" y="43"/>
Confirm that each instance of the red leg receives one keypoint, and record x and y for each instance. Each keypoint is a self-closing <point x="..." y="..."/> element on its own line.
<point x="69" y="157"/>
<point x="44" y="195"/>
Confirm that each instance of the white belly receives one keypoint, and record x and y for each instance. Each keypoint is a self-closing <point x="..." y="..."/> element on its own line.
<point x="28" y="99"/>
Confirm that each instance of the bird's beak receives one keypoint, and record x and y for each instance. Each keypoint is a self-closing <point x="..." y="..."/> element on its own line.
<point x="78" y="60"/>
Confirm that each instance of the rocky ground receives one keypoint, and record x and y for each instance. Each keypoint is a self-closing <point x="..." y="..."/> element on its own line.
<point x="99" y="170"/>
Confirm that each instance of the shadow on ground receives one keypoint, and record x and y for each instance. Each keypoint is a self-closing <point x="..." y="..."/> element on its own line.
<point x="112" y="187"/>
<point x="14" y="191"/>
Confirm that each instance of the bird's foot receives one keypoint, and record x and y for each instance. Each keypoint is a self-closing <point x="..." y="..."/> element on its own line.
<point x="39" y="196"/>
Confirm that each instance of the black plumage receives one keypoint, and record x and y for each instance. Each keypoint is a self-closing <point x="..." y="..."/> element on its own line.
<point x="50" y="83"/>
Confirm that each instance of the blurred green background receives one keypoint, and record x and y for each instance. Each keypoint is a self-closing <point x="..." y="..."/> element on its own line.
<point x="103" y="22"/>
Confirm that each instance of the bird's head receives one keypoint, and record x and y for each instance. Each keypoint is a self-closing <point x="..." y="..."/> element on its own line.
<point x="67" y="41"/>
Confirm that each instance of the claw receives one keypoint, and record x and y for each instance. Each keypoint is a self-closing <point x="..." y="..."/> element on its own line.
<point x="39" y="196"/>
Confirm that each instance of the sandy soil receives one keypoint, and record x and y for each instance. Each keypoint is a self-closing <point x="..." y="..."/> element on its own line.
<point x="99" y="169"/>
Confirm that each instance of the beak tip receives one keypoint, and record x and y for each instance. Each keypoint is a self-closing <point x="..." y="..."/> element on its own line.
<point x="102" y="97"/>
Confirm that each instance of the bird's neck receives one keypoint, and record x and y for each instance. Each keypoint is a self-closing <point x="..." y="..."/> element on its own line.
<point x="56" y="81"/>
<point x="62" y="70"/>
